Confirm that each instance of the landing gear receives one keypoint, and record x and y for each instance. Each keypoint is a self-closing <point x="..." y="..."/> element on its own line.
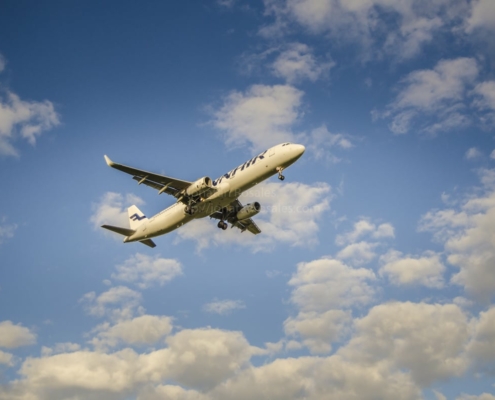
<point x="280" y="176"/>
<point x="191" y="210"/>
<point x="222" y="225"/>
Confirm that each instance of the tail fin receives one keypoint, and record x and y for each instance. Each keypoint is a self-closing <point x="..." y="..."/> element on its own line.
<point x="136" y="217"/>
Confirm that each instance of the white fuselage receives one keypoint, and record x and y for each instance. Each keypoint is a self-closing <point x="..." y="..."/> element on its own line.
<point x="228" y="188"/>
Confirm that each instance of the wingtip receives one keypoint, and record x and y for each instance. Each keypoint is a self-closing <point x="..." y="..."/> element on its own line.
<point x="108" y="161"/>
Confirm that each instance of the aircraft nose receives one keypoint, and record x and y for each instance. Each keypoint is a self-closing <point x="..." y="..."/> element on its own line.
<point x="299" y="149"/>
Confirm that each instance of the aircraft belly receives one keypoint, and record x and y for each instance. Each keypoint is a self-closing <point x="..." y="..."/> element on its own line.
<point x="170" y="220"/>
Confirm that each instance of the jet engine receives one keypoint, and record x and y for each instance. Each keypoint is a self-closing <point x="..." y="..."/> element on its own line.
<point x="199" y="187"/>
<point x="248" y="211"/>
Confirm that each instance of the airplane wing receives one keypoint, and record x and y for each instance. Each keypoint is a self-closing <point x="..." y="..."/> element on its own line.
<point x="245" y="224"/>
<point x="163" y="184"/>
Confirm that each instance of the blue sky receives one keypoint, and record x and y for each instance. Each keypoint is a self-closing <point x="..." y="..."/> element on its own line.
<point x="374" y="276"/>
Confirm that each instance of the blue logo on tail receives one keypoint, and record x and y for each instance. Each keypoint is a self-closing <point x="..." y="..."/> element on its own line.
<point x="136" y="217"/>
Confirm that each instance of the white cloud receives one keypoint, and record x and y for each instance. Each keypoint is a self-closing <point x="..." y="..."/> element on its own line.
<point x="408" y="270"/>
<point x="427" y="339"/>
<point x="473" y="153"/>
<point x="66" y="347"/>
<point x="197" y="358"/>
<point x="142" y="330"/>
<point x="482" y="346"/>
<point x="6" y="358"/>
<point x="297" y="62"/>
<point x="6" y="230"/>
<point x="320" y="141"/>
<point x="438" y="95"/>
<point x="202" y="358"/>
<point x="111" y="209"/>
<point x="223" y="307"/>
<point x="380" y="27"/>
<point x="318" y="330"/>
<point x="12" y="336"/>
<point x="482" y="15"/>
<point x="290" y="213"/>
<point x="260" y="117"/>
<point x="118" y="303"/>
<point x="318" y="378"/>
<point x="483" y="396"/>
<point x="321" y="290"/>
<point x="484" y="102"/>
<point x="325" y="284"/>
<point x="358" y="253"/>
<point x="363" y="228"/>
<point x="171" y="392"/>
<point x="145" y="271"/>
<point x="469" y="239"/>
<point x="25" y="119"/>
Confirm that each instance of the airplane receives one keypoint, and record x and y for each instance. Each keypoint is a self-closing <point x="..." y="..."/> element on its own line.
<point x="217" y="199"/>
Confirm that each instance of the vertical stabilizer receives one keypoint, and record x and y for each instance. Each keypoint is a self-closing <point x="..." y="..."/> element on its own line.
<point x="136" y="217"/>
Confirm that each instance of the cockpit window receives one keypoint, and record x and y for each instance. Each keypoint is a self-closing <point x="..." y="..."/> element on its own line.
<point x="285" y="144"/>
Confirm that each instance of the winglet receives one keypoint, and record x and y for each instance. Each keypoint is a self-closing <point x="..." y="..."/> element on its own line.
<point x="109" y="162"/>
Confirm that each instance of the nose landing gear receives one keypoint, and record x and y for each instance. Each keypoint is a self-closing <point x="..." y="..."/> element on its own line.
<point x="280" y="176"/>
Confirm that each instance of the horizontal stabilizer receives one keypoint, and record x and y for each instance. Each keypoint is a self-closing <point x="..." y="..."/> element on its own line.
<point x="121" y="231"/>
<point x="148" y="242"/>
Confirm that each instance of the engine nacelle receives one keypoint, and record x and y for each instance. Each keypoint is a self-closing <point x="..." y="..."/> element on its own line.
<point x="248" y="211"/>
<point x="199" y="187"/>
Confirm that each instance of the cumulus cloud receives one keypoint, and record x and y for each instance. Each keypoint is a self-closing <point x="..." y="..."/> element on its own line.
<point x="482" y="346"/>
<point x="290" y="213"/>
<point x="318" y="330"/>
<point x="6" y="358"/>
<point x="321" y="143"/>
<point x="468" y="237"/>
<point x="12" y="336"/>
<point x="146" y="271"/>
<point x="482" y="15"/>
<point x="483" y="396"/>
<point x="23" y="119"/>
<point x="264" y="116"/>
<point x="111" y="209"/>
<point x="484" y="102"/>
<point x="438" y="95"/>
<point x="358" y="253"/>
<point x="261" y="117"/>
<point x="118" y="303"/>
<point x="321" y="290"/>
<point x="223" y="307"/>
<point x="427" y="339"/>
<point x="318" y="378"/>
<point x="426" y="270"/>
<point x="379" y="27"/>
<point x="297" y="62"/>
<point x="365" y="228"/>
<point x="473" y="153"/>
<point x="142" y="330"/>
<point x="326" y="284"/>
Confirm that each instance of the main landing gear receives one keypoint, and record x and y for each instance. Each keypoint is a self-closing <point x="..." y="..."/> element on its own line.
<point x="222" y="225"/>
<point x="191" y="210"/>
<point x="280" y="176"/>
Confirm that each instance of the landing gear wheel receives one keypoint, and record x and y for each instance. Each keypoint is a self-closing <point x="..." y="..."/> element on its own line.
<point x="222" y="225"/>
<point x="281" y="177"/>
